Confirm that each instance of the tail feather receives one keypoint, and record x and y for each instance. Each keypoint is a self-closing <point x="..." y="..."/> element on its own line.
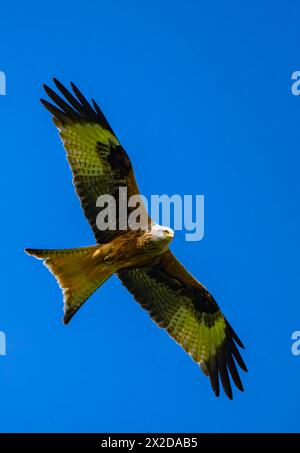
<point x="78" y="272"/>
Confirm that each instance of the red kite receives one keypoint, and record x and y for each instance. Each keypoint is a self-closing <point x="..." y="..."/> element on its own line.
<point x="140" y="258"/>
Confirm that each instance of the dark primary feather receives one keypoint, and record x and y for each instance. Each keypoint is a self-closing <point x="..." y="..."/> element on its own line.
<point x="59" y="114"/>
<point x="64" y="106"/>
<point x="234" y="372"/>
<point x="77" y="108"/>
<point x="70" y="98"/>
<point x="92" y="114"/>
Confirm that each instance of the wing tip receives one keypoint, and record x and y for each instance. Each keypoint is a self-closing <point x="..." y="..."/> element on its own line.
<point x="77" y="108"/>
<point x="222" y="369"/>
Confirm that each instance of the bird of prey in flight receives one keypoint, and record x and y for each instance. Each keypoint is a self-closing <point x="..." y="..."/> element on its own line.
<point x="141" y="258"/>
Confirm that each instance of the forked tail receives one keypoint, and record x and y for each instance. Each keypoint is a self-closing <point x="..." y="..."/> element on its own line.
<point x="79" y="272"/>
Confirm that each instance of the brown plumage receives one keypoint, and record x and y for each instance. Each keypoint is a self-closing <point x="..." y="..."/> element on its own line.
<point x="141" y="259"/>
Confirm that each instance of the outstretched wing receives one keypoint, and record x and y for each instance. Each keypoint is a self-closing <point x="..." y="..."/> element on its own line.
<point x="99" y="164"/>
<point x="181" y="305"/>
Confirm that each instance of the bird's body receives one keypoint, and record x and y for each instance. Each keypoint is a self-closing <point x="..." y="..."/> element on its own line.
<point x="81" y="271"/>
<point x="141" y="257"/>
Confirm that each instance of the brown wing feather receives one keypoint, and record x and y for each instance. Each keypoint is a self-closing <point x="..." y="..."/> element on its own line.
<point x="99" y="164"/>
<point x="189" y="313"/>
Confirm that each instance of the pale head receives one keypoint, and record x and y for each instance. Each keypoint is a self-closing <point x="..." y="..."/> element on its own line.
<point x="162" y="233"/>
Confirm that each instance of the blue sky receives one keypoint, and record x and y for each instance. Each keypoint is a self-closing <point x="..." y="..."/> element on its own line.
<point x="199" y="95"/>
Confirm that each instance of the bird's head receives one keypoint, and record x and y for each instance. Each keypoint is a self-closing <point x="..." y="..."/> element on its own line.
<point x="162" y="234"/>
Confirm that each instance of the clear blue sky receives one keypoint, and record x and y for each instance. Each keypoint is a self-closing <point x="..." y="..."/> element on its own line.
<point x="199" y="95"/>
